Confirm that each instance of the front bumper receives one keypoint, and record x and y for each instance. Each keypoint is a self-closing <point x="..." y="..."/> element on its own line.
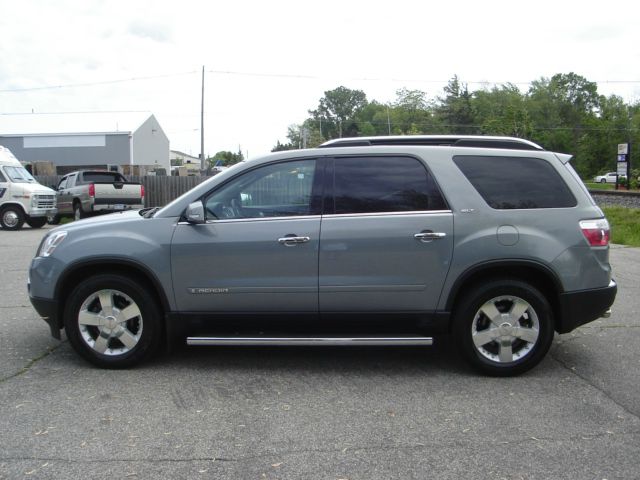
<point x="578" y="308"/>
<point x="42" y="212"/>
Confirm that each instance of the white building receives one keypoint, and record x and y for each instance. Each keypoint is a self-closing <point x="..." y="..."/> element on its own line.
<point x="133" y="141"/>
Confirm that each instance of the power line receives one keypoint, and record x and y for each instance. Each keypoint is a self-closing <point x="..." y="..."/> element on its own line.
<point x="288" y="76"/>
<point x="93" y="84"/>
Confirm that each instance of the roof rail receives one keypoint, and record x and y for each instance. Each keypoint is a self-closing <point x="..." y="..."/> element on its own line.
<point x="511" y="143"/>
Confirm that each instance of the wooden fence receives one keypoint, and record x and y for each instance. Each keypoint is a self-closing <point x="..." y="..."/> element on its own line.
<point x="158" y="190"/>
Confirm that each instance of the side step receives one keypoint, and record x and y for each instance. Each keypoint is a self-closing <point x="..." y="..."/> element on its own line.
<point x="405" y="340"/>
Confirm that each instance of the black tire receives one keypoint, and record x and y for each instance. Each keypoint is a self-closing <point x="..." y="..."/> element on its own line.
<point x="604" y="180"/>
<point x="508" y="354"/>
<point x="142" y="333"/>
<point x="12" y="217"/>
<point x="54" y="219"/>
<point x="78" y="213"/>
<point x="37" y="222"/>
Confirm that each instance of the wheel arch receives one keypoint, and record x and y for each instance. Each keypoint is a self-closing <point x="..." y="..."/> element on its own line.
<point x="537" y="274"/>
<point x="13" y="204"/>
<point x="126" y="267"/>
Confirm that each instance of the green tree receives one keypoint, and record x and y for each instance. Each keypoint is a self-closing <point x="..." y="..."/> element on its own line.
<point x="226" y="158"/>
<point x="337" y="110"/>
<point x="455" y="111"/>
<point x="561" y="107"/>
<point x="502" y="111"/>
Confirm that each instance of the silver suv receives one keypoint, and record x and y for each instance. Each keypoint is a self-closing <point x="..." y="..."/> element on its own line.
<point x="368" y="241"/>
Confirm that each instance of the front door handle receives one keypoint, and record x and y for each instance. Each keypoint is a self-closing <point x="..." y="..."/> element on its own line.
<point x="292" y="240"/>
<point x="429" y="235"/>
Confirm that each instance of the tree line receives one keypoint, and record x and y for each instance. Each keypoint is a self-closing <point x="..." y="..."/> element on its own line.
<point x="563" y="113"/>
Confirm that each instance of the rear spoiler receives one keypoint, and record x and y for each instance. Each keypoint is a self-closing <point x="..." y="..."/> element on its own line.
<point x="563" y="157"/>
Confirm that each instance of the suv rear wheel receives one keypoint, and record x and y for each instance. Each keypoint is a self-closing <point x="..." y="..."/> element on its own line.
<point x="504" y="327"/>
<point x="112" y="321"/>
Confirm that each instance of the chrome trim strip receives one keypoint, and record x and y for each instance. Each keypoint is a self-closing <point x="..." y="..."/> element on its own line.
<point x="253" y="219"/>
<point x="310" y="217"/>
<point x="263" y="290"/>
<point x="387" y="214"/>
<point x="371" y="288"/>
<point x="311" y="341"/>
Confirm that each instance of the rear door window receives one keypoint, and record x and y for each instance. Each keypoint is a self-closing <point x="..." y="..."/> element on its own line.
<point x="383" y="184"/>
<point x="516" y="182"/>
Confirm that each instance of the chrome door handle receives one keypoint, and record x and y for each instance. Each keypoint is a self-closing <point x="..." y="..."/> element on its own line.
<point x="428" y="236"/>
<point x="292" y="241"/>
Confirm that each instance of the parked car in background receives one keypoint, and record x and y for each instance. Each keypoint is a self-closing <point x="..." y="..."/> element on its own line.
<point x="22" y="198"/>
<point x="609" y="177"/>
<point x="89" y="192"/>
<point x="365" y="241"/>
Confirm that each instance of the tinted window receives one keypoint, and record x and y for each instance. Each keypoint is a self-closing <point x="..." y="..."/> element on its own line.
<point x="2" y="179"/>
<point x="384" y="184"/>
<point x="515" y="182"/>
<point x="109" y="177"/>
<point x="283" y="189"/>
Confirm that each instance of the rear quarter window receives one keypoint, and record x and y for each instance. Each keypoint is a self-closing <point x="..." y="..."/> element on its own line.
<point x="516" y="182"/>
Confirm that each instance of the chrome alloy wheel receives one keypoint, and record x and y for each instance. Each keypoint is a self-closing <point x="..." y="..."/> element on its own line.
<point x="110" y="322"/>
<point x="505" y="329"/>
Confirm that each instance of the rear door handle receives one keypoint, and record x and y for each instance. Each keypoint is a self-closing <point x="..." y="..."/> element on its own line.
<point x="291" y="241"/>
<point x="428" y="236"/>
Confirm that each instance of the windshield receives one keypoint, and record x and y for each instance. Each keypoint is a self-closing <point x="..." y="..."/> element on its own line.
<point x="19" y="175"/>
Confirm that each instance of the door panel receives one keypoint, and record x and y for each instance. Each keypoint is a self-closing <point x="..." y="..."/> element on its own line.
<point x="258" y="251"/>
<point x="374" y="263"/>
<point x="240" y="266"/>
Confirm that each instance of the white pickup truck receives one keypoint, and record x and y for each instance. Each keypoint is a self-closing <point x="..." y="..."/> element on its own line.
<point x="22" y="198"/>
<point x="90" y="192"/>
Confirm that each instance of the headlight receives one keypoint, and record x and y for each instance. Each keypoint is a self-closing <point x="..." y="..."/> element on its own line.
<point x="50" y="243"/>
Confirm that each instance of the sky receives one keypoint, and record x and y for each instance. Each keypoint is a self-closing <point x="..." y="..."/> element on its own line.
<point x="267" y="63"/>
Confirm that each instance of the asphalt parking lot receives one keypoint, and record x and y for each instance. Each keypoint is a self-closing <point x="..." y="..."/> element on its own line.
<point x="324" y="413"/>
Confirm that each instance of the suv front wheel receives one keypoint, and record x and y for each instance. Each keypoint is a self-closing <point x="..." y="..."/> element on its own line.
<point x="112" y="321"/>
<point x="504" y="327"/>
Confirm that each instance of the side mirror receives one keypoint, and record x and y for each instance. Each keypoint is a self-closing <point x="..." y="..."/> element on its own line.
<point x="195" y="213"/>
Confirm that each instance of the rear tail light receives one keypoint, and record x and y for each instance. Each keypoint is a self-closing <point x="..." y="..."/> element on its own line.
<point x="92" y="190"/>
<point x="142" y="191"/>
<point x="597" y="232"/>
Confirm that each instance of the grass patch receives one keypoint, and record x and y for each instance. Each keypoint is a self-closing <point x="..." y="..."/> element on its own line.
<point x="600" y="186"/>
<point x="625" y="225"/>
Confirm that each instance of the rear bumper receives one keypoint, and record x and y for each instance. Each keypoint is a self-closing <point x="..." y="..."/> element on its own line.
<point x="48" y="310"/>
<point x="578" y="308"/>
<point x="116" y="207"/>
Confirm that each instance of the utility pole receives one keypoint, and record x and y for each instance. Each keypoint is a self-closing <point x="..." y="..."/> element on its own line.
<point x="202" y="124"/>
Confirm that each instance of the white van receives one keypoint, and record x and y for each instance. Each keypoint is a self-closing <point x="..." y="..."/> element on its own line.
<point x="22" y="198"/>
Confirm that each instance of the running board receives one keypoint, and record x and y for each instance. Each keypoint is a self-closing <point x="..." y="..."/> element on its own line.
<point x="312" y="341"/>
